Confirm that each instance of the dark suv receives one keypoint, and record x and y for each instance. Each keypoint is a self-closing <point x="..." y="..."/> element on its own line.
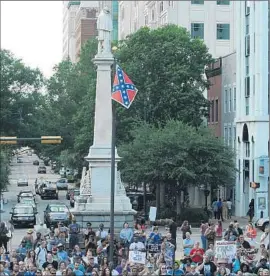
<point x="23" y="214"/>
<point x="42" y="169"/>
<point x="47" y="190"/>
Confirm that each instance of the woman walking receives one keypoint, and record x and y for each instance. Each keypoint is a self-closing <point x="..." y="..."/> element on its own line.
<point x="4" y="236"/>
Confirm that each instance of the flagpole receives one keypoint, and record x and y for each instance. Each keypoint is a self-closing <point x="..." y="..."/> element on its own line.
<point x="113" y="144"/>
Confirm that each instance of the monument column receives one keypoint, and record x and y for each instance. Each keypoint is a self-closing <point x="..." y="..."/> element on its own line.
<point x="94" y="203"/>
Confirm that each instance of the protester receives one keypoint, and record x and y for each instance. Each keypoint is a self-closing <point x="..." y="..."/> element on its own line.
<point x="3" y="236"/>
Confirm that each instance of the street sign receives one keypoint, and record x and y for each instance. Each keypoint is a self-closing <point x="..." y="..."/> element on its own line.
<point x="8" y="140"/>
<point x="51" y="139"/>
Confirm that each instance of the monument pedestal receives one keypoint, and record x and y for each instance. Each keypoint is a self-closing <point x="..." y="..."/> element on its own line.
<point x="93" y="204"/>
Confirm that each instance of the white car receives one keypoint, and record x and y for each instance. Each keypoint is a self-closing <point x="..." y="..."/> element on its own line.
<point x="262" y="223"/>
<point x="22" y="182"/>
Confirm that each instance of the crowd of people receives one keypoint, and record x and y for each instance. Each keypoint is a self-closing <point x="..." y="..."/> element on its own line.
<point x="71" y="251"/>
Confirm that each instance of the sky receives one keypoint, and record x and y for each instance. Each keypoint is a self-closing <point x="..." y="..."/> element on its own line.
<point x="32" y="31"/>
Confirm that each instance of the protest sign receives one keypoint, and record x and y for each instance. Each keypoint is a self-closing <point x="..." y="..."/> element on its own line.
<point x="152" y="213"/>
<point x="154" y="248"/>
<point x="225" y="250"/>
<point x="137" y="257"/>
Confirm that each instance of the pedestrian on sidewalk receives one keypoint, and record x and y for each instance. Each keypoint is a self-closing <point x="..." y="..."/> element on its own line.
<point x="215" y="208"/>
<point x="229" y="205"/>
<point x="250" y="212"/>
<point x="185" y="228"/>
<point x="219" y="210"/>
<point x="3" y="236"/>
<point x="224" y="209"/>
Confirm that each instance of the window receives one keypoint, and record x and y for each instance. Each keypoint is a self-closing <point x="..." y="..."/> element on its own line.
<point x="247" y="45"/>
<point x="247" y="66"/>
<point x="254" y="84"/>
<point x="161" y="6"/>
<point x="223" y="2"/>
<point x="223" y="31"/>
<point x="247" y="6"/>
<point x="230" y="100"/>
<point x="146" y="19"/>
<point x="247" y="149"/>
<point x="153" y="15"/>
<point x="247" y="25"/>
<point x="229" y="135"/>
<point x="234" y="99"/>
<point x="122" y="13"/>
<point x="234" y="137"/>
<point x="225" y="135"/>
<point x="247" y="87"/>
<point x="226" y="102"/>
<point x="216" y="110"/>
<point x="197" y="30"/>
<point x="197" y="2"/>
<point x="247" y="106"/>
<point x="212" y="111"/>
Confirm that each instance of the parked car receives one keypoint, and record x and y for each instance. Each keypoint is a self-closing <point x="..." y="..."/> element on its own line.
<point x="73" y="195"/>
<point x="262" y="224"/>
<point x="23" y="214"/>
<point x="47" y="190"/>
<point x="22" y="182"/>
<point x="26" y="193"/>
<point x="19" y="160"/>
<point x="62" y="184"/>
<point x="55" y="213"/>
<point x="41" y="169"/>
<point x="36" y="162"/>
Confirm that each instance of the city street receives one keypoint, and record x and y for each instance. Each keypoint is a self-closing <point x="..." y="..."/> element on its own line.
<point x="27" y="169"/>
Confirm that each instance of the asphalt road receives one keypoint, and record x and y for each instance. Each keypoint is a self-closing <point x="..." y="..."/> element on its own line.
<point x="28" y="170"/>
<point x="19" y="170"/>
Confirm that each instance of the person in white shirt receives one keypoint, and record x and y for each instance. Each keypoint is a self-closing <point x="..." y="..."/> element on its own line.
<point x="265" y="238"/>
<point x="41" y="253"/>
<point x="101" y="234"/>
<point x="229" y="206"/>
<point x="136" y="245"/>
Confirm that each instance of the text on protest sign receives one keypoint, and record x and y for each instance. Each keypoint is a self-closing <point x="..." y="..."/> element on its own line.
<point x="225" y="249"/>
<point x="137" y="257"/>
<point x="154" y="248"/>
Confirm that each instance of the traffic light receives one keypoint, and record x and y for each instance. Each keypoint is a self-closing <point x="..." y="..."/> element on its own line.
<point x="8" y="140"/>
<point x="51" y="139"/>
<point x="254" y="185"/>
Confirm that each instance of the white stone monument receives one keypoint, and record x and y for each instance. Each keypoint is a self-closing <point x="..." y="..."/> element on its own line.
<point x="93" y="204"/>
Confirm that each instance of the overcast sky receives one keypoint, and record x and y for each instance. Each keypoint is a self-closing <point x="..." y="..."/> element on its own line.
<point x="32" y="30"/>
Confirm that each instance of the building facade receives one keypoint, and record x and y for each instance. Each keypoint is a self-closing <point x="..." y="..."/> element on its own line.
<point x="252" y="108"/>
<point x="212" y="21"/>
<point x="79" y="24"/>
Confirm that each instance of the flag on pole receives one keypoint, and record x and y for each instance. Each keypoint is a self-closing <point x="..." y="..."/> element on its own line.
<point x="123" y="90"/>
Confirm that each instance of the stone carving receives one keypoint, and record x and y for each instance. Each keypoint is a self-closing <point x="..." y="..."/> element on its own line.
<point x="85" y="189"/>
<point x="104" y="27"/>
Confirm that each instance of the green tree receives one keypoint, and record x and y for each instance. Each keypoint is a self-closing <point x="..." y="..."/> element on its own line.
<point x="167" y="67"/>
<point x="176" y="156"/>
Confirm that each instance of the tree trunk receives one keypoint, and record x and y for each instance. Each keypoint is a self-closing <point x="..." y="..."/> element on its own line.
<point x="158" y="197"/>
<point x="162" y="195"/>
<point x="178" y="203"/>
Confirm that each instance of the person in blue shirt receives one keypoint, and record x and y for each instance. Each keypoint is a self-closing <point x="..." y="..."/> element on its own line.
<point x="155" y="237"/>
<point x="188" y="244"/>
<point x="61" y="254"/>
<point x="77" y="270"/>
<point x="177" y="270"/>
<point x="126" y="234"/>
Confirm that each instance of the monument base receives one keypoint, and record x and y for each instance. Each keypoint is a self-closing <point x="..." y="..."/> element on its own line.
<point x="82" y="217"/>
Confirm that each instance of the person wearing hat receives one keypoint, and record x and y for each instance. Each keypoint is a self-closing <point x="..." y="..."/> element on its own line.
<point x="29" y="239"/>
<point x="61" y="253"/>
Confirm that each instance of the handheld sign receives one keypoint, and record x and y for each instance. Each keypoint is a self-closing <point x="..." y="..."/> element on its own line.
<point x="225" y="250"/>
<point x="152" y="213"/>
<point x="137" y="257"/>
<point x="154" y="248"/>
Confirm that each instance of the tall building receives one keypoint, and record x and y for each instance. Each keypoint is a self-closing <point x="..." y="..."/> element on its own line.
<point x="252" y="108"/>
<point x="212" y="21"/>
<point x="79" y="24"/>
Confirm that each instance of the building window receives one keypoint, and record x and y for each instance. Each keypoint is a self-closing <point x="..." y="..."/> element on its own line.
<point x="247" y="66"/>
<point x="146" y="19"/>
<point x="247" y="87"/>
<point x="197" y="2"/>
<point x="223" y="31"/>
<point x="234" y="99"/>
<point x="226" y="101"/>
<point x="122" y="13"/>
<point x="234" y="137"/>
<point x="247" y="6"/>
<point x="247" y="25"/>
<point x="247" y="45"/>
<point x="161" y="6"/>
<point x="197" y="30"/>
<point x="225" y="135"/>
<point x="223" y="2"/>
<point x="153" y="15"/>
<point x="229" y="135"/>
<point x="230" y="100"/>
<point x="212" y="111"/>
<point x="254" y="84"/>
<point x="216" y="110"/>
<point x="247" y="149"/>
<point x="247" y="106"/>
